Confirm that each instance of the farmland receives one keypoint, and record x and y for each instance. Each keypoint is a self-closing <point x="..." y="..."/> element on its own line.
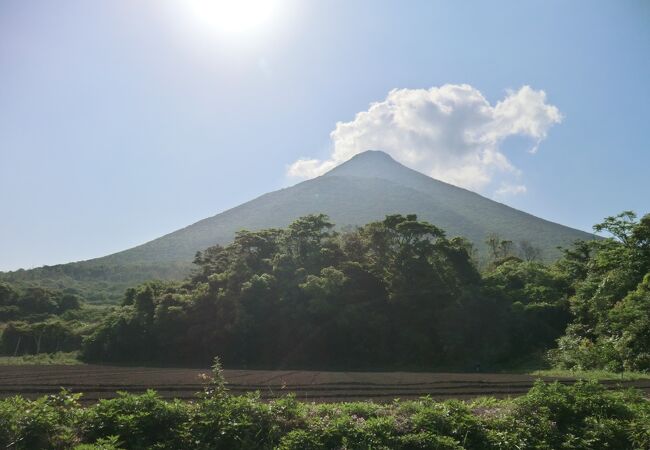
<point x="97" y="382"/>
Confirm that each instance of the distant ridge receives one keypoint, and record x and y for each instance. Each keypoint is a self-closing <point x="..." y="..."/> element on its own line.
<point x="366" y="188"/>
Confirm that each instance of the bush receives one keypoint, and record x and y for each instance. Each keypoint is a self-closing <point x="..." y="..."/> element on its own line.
<point x="428" y="440"/>
<point x="550" y="416"/>
<point x="451" y="418"/>
<point x="582" y="416"/>
<point x="139" y="422"/>
<point x="578" y="353"/>
<point x="109" y="443"/>
<point x="46" y="423"/>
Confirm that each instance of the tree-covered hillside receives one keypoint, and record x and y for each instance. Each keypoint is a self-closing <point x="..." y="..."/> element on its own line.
<point x="389" y="294"/>
<point x="396" y="293"/>
<point x="98" y="282"/>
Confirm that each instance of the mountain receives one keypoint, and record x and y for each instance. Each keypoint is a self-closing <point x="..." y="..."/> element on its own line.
<point x="368" y="187"/>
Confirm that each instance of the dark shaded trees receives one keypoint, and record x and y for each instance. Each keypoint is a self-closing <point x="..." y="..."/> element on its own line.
<point x="396" y="293"/>
<point x="51" y="336"/>
<point x="393" y="293"/>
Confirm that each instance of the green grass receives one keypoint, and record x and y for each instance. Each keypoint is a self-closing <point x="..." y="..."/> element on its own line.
<point x="41" y="359"/>
<point x="596" y="375"/>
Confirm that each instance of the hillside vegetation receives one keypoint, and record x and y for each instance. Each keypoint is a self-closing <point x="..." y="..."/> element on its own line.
<point x="391" y="294"/>
<point x="39" y="321"/>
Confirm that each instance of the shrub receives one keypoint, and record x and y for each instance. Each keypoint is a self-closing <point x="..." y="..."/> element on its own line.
<point x="427" y="440"/>
<point x="300" y="440"/>
<point x="582" y="416"/>
<point x="451" y="418"/>
<point x="234" y="422"/>
<point x="139" y="421"/>
<point x="550" y="416"/>
<point x="108" y="443"/>
<point x="46" y="423"/>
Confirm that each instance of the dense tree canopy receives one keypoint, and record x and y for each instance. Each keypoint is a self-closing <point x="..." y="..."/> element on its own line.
<point x="34" y="302"/>
<point x="611" y="304"/>
<point x="395" y="293"/>
<point x="41" y="320"/>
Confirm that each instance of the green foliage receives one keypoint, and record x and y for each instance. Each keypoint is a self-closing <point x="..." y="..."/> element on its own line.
<point x="215" y="386"/>
<point x="630" y="323"/>
<point x="46" y="423"/>
<point x="427" y="440"/>
<point x="550" y="416"/>
<point x="96" y="281"/>
<point x="394" y="293"/>
<point x="42" y="359"/>
<point x="593" y="375"/>
<point x="611" y="302"/>
<point x="37" y="320"/>
<point x="453" y="419"/>
<point x="537" y="296"/>
<point x="138" y="422"/>
<point x="34" y="303"/>
<point x="235" y="422"/>
<point x="51" y="336"/>
<point x="108" y="443"/>
<point x="583" y="416"/>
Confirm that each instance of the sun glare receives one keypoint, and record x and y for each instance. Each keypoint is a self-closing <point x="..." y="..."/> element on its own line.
<point x="233" y="16"/>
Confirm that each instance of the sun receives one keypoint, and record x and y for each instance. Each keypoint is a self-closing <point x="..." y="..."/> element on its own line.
<point x="233" y="16"/>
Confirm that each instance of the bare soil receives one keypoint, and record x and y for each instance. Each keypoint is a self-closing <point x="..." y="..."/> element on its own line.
<point x="97" y="382"/>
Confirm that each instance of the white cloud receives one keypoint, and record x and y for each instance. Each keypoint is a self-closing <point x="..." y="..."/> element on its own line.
<point x="451" y="133"/>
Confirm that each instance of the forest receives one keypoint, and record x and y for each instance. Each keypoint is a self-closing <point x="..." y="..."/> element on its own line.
<point x="38" y="320"/>
<point x="392" y="294"/>
<point x="396" y="293"/>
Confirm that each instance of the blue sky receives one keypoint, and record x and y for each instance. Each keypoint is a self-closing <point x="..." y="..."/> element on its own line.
<point x="121" y="121"/>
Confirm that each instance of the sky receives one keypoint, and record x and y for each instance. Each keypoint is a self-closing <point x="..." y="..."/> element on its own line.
<point x="121" y="121"/>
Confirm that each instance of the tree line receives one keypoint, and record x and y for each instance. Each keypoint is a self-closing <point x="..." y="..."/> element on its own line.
<point x="396" y="293"/>
<point x="37" y="320"/>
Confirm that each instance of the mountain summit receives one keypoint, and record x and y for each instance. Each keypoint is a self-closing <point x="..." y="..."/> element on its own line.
<point x="366" y="188"/>
<point x="371" y="164"/>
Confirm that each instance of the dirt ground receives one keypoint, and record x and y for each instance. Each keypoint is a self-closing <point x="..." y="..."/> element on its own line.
<point x="98" y="382"/>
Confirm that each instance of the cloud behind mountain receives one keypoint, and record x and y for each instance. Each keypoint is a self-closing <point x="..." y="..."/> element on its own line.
<point x="451" y="133"/>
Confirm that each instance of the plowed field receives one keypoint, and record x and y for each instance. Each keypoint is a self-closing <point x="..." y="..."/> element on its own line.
<point x="103" y="381"/>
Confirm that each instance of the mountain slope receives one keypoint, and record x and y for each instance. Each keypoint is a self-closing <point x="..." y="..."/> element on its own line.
<point x="365" y="188"/>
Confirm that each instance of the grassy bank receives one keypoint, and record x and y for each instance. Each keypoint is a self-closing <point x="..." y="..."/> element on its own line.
<point x="595" y="375"/>
<point x="41" y="359"/>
